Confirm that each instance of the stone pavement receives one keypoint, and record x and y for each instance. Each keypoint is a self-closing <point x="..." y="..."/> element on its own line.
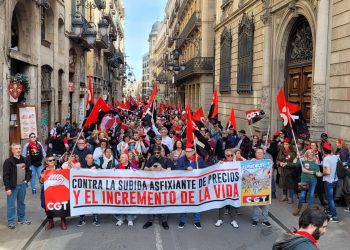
<point x="336" y="236"/>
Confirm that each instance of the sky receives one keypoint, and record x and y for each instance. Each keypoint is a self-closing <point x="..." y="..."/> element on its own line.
<point x="139" y="18"/>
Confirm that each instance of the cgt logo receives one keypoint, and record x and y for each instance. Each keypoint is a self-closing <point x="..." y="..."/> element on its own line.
<point x="57" y="205"/>
<point x="256" y="199"/>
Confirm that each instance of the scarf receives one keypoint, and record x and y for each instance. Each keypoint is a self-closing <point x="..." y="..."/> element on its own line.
<point x="309" y="236"/>
<point x="106" y="161"/>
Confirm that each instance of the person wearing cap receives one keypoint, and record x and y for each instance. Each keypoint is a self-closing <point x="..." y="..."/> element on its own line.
<point x="244" y="143"/>
<point x="158" y="142"/>
<point x="330" y="179"/>
<point x="190" y="161"/>
<point x="287" y="172"/>
<point x="166" y="140"/>
<point x="157" y="163"/>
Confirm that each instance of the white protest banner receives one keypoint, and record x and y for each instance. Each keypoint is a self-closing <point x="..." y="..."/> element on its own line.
<point x="153" y="192"/>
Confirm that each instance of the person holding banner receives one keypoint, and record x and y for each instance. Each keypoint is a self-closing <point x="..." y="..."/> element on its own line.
<point x="157" y="163"/>
<point x="16" y="175"/>
<point x="190" y="161"/>
<point x="50" y="164"/>
<point x="124" y="164"/>
<point x="232" y="211"/>
<point x="261" y="212"/>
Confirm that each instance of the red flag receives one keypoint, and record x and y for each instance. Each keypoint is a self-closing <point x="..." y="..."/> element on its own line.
<point x="127" y="104"/>
<point x="214" y="108"/>
<point x="179" y="108"/>
<point x="286" y="109"/>
<point x="198" y="115"/>
<point x="189" y="129"/>
<point x="90" y="94"/>
<point x="93" y="117"/>
<point x="153" y="96"/>
<point x="232" y="120"/>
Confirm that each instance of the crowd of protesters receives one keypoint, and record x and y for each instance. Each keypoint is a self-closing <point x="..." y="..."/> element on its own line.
<point x="301" y="170"/>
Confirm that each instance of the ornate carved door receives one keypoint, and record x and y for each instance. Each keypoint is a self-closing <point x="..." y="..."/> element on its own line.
<point x="299" y="88"/>
<point x="299" y="67"/>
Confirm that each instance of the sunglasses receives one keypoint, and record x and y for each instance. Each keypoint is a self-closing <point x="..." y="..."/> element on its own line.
<point x="189" y="151"/>
<point x="229" y="155"/>
<point x="50" y="160"/>
<point x="156" y="153"/>
<point x="33" y="137"/>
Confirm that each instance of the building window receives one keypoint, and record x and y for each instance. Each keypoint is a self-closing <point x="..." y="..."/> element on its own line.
<point x="46" y="72"/>
<point x="225" y="61"/>
<point x="245" y="55"/>
<point x="43" y="24"/>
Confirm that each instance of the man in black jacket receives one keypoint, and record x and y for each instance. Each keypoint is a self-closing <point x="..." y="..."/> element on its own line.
<point x="16" y="175"/>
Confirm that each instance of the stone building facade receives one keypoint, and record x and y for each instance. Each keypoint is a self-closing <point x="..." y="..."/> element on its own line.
<point x="39" y="43"/>
<point x="146" y="89"/>
<point x="299" y="46"/>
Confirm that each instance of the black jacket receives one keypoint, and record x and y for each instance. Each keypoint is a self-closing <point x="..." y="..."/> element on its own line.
<point x="10" y="173"/>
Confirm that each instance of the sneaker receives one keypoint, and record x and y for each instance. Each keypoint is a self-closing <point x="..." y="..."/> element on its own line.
<point x="11" y="226"/>
<point x="238" y="212"/>
<point x="334" y="219"/>
<point x="234" y="224"/>
<point x="33" y="191"/>
<point x="219" y="223"/>
<point x="198" y="225"/>
<point x="119" y="223"/>
<point x="130" y="223"/>
<point x="96" y="223"/>
<point x="254" y="223"/>
<point x="347" y="209"/>
<point x="81" y="223"/>
<point x="266" y="224"/>
<point x="24" y="222"/>
<point x="147" y="224"/>
<point x="181" y="225"/>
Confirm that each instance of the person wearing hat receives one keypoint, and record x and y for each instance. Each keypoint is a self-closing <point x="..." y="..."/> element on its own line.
<point x="190" y="161"/>
<point x="157" y="163"/>
<point x="330" y="178"/>
<point x="287" y="172"/>
<point x="158" y="141"/>
<point x="244" y="144"/>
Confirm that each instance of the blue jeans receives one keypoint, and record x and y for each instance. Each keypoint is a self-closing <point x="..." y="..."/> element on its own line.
<point x="311" y="192"/>
<point x="196" y="218"/>
<point x="36" y="172"/>
<point x="329" y="188"/>
<point x="289" y="193"/>
<point x="19" y="194"/>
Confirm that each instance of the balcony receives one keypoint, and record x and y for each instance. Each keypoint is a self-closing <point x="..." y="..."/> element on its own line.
<point x="182" y="8"/>
<point x="196" y="66"/>
<point x="81" y="39"/>
<point x="109" y="12"/>
<point x="101" y="41"/>
<point x="192" y="24"/>
<point x="110" y="50"/>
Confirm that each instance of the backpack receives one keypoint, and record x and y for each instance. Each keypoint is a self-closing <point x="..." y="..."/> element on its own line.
<point x="289" y="243"/>
<point x="340" y="171"/>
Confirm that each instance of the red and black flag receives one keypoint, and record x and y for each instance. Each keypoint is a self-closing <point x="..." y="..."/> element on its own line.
<point x="189" y="128"/>
<point x="214" y="108"/>
<point x="100" y="106"/>
<point x="254" y="115"/>
<point x="198" y="118"/>
<point x="287" y="110"/>
<point x="151" y="108"/>
<point x="231" y="122"/>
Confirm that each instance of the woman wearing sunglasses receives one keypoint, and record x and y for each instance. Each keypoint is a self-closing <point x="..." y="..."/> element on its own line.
<point x="50" y="164"/>
<point x="232" y="211"/>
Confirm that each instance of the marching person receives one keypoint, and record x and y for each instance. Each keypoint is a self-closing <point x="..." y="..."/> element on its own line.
<point x="90" y="164"/>
<point x="261" y="213"/>
<point x="16" y="175"/>
<point x="190" y="161"/>
<point x="232" y="211"/>
<point x="98" y="152"/>
<point x="35" y="154"/>
<point x="124" y="163"/>
<point x="157" y="163"/>
<point x="107" y="161"/>
<point x="50" y="164"/>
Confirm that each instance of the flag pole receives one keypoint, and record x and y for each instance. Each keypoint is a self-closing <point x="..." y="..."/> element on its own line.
<point x="296" y="146"/>
<point x="250" y="129"/>
<point x="195" y="150"/>
<point x="75" y="144"/>
<point x="267" y="135"/>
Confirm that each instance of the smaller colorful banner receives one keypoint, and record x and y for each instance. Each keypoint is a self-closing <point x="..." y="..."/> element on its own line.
<point x="256" y="183"/>
<point x="56" y="187"/>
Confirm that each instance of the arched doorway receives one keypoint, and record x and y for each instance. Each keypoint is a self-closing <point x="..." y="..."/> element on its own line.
<point x="299" y="66"/>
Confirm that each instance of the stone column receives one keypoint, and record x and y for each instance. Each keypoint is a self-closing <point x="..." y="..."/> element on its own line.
<point x="266" y="18"/>
<point x="318" y="109"/>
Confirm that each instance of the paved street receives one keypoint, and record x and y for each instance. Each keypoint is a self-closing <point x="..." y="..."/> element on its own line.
<point x="109" y="236"/>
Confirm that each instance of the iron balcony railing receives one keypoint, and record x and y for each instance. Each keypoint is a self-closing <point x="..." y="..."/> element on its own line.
<point x="195" y="21"/>
<point x="196" y="66"/>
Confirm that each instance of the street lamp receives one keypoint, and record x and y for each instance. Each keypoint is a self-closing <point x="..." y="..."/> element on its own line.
<point x="77" y="24"/>
<point x="103" y="26"/>
<point x="90" y="34"/>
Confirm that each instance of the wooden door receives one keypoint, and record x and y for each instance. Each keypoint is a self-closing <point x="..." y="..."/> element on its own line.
<point x="299" y="83"/>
